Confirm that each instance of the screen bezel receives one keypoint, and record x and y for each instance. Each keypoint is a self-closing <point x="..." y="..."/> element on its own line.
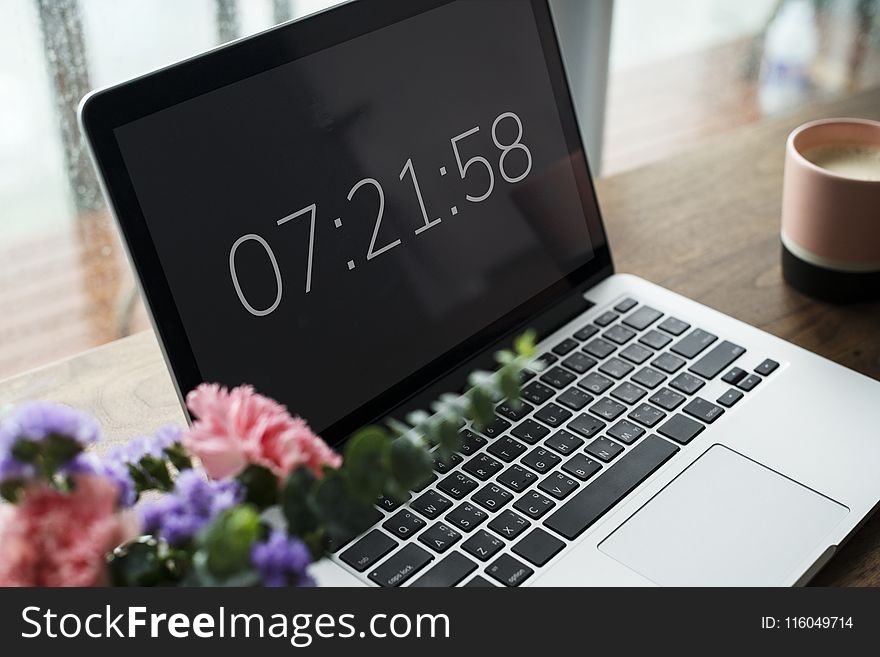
<point x="102" y="112"/>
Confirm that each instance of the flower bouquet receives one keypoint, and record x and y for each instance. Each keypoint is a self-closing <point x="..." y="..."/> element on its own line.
<point x="247" y="496"/>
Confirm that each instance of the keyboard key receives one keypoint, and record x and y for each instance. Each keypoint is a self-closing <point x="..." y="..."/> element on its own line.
<point x="718" y="358"/>
<point x="687" y="383"/>
<point x="404" y="524"/>
<point x="619" y="334"/>
<point x="368" y="550"/>
<point x="558" y="378"/>
<point x="494" y="428"/>
<point x="626" y="305"/>
<point x="680" y="428"/>
<point x="530" y="431"/>
<point x="668" y="363"/>
<point x="574" y="398"/>
<point x="606" y="318"/>
<point x="538" y="547"/>
<point x="667" y="399"/>
<point x="401" y="566"/>
<point x="466" y="517"/>
<point x="674" y="326"/>
<point x="482" y="466"/>
<point x="479" y="582"/>
<point x="509" y="571"/>
<point x="586" y="425"/>
<point x="514" y="412"/>
<point x="563" y="442"/>
<point x="647" y="415"/>
<point x="449" y="571"/>
<point x="607" y="408"/>
<point x="509" y="524"/>
<point x="693" y="343"/>
<point x="558" y="485"/>
<point x="457" y="485"/>
<point x="636" y="353"/>
<point x="553" y="414"/>
<point x="604" y="449"/>
<point x="649" y="377"/>
<point x="595" y="383"/>
<point x="470" y="442"/>
<point x="749" y="382"/>
<point x="767" y="367"/>
<point x="586" y="333"/>
<point x="580" y="363"/>
<point x="482" y="545"/>
<point x="616" y="368"/>
<point x="730" y="397"/>
<point x="594" y="500"/>
<point x="599" y="348"/>
<point x="626" y="432"/>
<point x="733" y="376"/>
<point x="517" y="478"/>
<point x="643" y="318"/>
<point x="545" y="360"/>
<point x="439" y="537"/>
<point x="541" y="460"/>
<point x="388" y="503"/>
<point x="537" y="393"/>
<point x="628" y="393"/>
<point x="655" y="339"/>
<point x="491" y="497"/>
<point x="431" y="504"/>
<point x="506" y="448"/>
<point x="581" y="467"/>
<point x="442" y="465"/>
<point x="534" y="505"/>
<point x="565" y="347"/>
<point x="525" y="375"/>
<point x="703" y="410"/>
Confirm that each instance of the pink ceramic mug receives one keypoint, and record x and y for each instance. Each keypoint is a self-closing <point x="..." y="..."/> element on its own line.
<point x="831" y="210"/>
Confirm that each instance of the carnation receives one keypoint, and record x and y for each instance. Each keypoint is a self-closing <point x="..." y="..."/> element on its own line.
<point x="238" y="427"/>
<point x="52" y="538"/>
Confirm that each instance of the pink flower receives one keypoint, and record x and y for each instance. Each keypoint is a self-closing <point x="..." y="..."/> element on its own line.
<point x="239" y="427"/>
<point x="61" y="539"/>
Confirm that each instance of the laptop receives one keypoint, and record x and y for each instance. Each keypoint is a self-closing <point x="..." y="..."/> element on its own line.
<point x="353" y="211"/>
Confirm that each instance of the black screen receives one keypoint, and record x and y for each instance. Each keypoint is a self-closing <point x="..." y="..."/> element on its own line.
<point x="332" y="225"/>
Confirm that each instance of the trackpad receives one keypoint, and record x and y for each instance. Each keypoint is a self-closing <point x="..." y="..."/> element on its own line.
<point x="725" y="521"/>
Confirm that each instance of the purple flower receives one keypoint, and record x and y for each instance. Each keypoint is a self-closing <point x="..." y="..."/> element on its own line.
<point x="282" y="560"/>
<point x="194" y="502"/>
<point x="140" y="446"/>
<point x="87" y="463"/>
<point x="34" y="421"/>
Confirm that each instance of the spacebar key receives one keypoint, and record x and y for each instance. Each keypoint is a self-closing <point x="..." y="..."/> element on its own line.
<point x="592" y="502"/>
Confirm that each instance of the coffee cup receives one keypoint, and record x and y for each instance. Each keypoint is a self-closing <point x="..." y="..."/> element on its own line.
<point x="831" y="210"/>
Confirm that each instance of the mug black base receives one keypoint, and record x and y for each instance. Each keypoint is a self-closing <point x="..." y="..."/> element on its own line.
<point x="829" y="284"/>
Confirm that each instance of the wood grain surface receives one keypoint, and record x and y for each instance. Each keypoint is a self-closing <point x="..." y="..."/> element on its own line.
<point x="704" y="223"/>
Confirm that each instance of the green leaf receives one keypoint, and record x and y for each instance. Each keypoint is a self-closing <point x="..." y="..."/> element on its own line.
<point x="228" y="540"/>
<point x="157" y="473"/>
<point x="524" y="345"/>
<point x="509" y="384"/>
<point x="260" y="486"/>
<point x="25" y="450"/>
<point x="297" y="502"/>
<point x="178" y="457"/>
<point x="410" y="462"/>
<point x="342" y="513"/>
<point x="482" y="409"/>
<point x="449" y="440"/>
<point x="367" y="462"/>
<point x="57" y="450"/>
<point x="142" y="563"/>
<point x="10" y="490"/>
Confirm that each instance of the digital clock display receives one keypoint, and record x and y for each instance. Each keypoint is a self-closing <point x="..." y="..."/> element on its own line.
<point x="331" y="225"/>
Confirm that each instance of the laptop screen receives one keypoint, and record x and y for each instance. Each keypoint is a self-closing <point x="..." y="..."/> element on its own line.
<point x="332" y="225"/>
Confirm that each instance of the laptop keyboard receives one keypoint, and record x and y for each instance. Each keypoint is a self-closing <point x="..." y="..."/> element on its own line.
<point x="614" y="402"/>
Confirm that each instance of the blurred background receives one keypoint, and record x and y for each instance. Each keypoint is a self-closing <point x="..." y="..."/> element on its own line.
<point x="650" y="79"/>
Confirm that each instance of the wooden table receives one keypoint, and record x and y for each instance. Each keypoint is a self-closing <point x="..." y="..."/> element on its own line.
<point x="704" y="224"/>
